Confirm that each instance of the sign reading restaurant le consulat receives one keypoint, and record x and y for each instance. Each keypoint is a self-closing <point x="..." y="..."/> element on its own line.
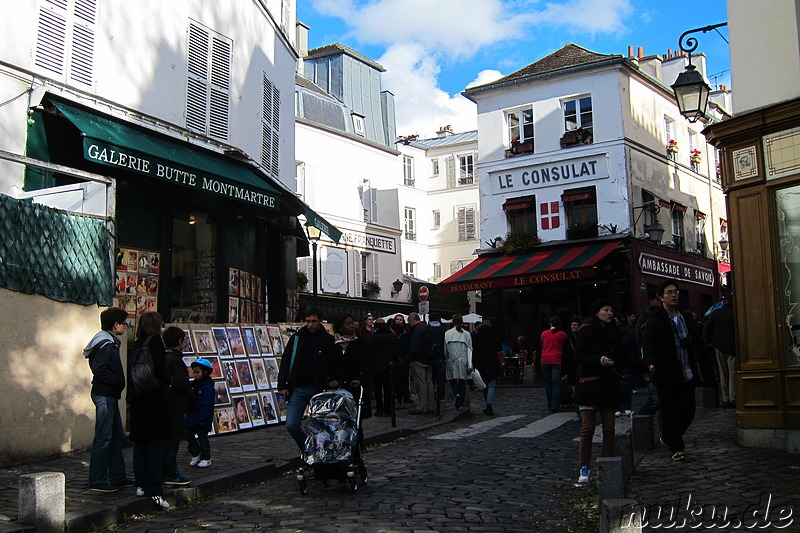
<point x="518" y="281"/>
<point x="113" y="156"/>
<point x="563" y="172"/>
<point x="667" y="268"/>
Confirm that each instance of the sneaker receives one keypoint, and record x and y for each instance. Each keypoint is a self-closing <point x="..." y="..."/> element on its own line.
<point x="459" y="401"/>
<point x="103" y="487"/>
<point x="661" y="440"/>
<point x="584" y="477"/>
<point x="627" y="412"/>
<point x="179" y="479"/>
<point x="205" y="463"/>
<point x="194" y="461"/>
<point x="679" y="456"/>
<point x="618" y="413"/>
<point x="139" y="491"/>
<point x="160" y="502"/>
<point x="489" y="411"/>
<point x="124" y="483"/>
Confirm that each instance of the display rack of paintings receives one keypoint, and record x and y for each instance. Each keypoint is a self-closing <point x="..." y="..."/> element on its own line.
<point x="204" y="295"/>
<point x="137" y="282"/>
<point x="245" y="368"/>
<point x="246" y="297"/>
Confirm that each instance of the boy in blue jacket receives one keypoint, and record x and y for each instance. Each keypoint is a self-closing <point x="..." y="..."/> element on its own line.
<point x="199" y="417"/>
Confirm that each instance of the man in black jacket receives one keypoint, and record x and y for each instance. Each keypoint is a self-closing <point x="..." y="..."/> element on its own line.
<point x="306" y="369"/>
<point x="179" y="400"/>
<point x="106" y="463"/>
<point x="675" y="358"/>
<point x="718" y="332"/>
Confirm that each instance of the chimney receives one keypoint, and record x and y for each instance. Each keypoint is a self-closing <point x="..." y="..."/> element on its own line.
<point x="301" y="38"/>
<point x="630" y="51"/>
<point x="444" y="131"/>
<point x="641" y="52"/>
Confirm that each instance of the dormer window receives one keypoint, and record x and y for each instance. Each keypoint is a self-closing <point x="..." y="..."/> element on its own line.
<point x="358" y="125"/>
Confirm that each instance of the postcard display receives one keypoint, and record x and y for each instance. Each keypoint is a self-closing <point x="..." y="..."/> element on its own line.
<point x="136" y="288"/>
<point x="246" y="297"/>
<point x="245" y="360"/>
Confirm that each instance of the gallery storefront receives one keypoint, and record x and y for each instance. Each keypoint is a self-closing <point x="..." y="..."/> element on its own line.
<point x="201" y="236"/>
<point x="521" y="292"/>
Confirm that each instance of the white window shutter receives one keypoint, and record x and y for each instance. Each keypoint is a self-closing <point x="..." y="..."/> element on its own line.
<point x="451" y="172"/>
<point x="81" y="65"/>
<point x="219" y="105"/>
<point x="197" y="90"/>
<point x="358" y="280"/>
<point x="453" y="267"/>
<point x="51" y="38"/>
<point x="270" y="126"/>
<point x="65" y="40"/>
<point x="461" y="222"/>
<point x="469" y="223"/>
<point x="375" y="276"/>
<point x="374" y="212"/>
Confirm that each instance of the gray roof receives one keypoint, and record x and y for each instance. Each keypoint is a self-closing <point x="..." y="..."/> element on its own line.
<point x="567" y="57"/>
<point x="456" y="138"/>
<point x="338" y="48"/>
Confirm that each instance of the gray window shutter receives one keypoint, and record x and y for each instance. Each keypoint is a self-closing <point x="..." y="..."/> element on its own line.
<point x="197" y="90"/>
<point x="270" y="125"/>
<point x="375" y="275"/>
<point x="220" y="88"/>
<point x="451" y="172"/>
<point x="469" y="223"/>
<point x="358" y="279"/>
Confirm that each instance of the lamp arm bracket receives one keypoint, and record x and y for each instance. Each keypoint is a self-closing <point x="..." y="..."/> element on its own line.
<point x="689" y="44"/>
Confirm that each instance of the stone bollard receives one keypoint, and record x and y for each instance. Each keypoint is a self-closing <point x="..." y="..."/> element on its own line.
<point x="620" y="516"/>
<point x="42" y="501"/>
<point x="623" y="447"/>
<point x="610" y="480"/>
<point x="643" y="430"/>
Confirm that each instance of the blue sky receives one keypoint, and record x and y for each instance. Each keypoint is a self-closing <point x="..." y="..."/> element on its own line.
<point x="434" y="49"/>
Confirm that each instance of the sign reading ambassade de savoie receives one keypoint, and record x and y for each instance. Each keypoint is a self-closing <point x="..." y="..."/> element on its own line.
<point x="667" y="268"/>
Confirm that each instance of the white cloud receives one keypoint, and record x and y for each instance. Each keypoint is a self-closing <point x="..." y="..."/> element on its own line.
<point x="588" y="16"/>
<point x="486" y="76"/>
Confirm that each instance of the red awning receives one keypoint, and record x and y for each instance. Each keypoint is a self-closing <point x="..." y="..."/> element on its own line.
<point x="575" y="196"/>
<point x="524" y="202"/>
<point x="723" y="267"/>
<point x="541" y="266"/>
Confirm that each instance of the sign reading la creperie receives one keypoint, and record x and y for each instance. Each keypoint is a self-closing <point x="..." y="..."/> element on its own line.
<point x="110" y="155"/>
<point x="667" y="268"/>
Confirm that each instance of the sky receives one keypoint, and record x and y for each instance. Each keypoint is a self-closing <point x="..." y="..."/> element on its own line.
<point x="434" y="49"/>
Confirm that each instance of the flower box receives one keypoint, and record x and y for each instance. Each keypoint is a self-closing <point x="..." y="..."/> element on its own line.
<point x="574" y="137"/>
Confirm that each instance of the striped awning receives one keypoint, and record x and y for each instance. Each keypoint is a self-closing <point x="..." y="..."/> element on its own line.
<point x="546" y="265"/>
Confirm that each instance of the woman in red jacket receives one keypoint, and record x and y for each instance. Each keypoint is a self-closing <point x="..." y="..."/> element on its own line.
<point x="553" y="341"/>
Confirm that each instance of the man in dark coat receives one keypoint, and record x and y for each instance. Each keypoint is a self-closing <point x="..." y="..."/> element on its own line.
<point x="106" y="463"/>
<point x="421" y="366"/>
<point x="675" y="358"/>
<point x="718" y="332"/>
<point x="305" y="370"/>
<point x="179" y="400"/>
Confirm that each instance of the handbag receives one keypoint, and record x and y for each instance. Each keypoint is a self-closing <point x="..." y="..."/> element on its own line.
<point x="477" y="380"/>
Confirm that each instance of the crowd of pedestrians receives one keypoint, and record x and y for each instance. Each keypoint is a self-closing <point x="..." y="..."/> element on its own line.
<point x="594" y="365"/>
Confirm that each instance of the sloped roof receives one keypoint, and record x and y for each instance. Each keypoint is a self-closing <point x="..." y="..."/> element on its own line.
<point x="338" y="48"/>
<point x="456" y="138"/>
<point x="568" y="56"/>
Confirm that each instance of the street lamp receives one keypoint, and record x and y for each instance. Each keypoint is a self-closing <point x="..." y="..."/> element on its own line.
<point x="653" y="231"/>
<point x="313" y="235"/>
<point x="691" y="90"/>
<point x="397" y="285"/>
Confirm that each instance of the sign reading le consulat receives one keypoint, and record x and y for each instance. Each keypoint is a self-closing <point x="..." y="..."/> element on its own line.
<point x="548" y="174"/>
<point x="159" y="169"/>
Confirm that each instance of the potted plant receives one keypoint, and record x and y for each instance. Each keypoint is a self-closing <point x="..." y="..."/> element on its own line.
<point x="370" y="288"/>
<point x="696" y="156"/>
<point x="582" y="230"/>
<point x="517" y="242"/>
<point x="577" y="136"/>
<point x="302" y="280"/>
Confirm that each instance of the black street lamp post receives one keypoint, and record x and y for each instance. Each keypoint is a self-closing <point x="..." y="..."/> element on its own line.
<point x="313" y="236"/>
<point x="691" y="90"/>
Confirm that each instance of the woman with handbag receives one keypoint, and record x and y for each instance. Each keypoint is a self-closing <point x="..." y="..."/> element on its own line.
<point x="487" y="356"/>
<point x="597" y="347"/>
<point x="458" y="358"/>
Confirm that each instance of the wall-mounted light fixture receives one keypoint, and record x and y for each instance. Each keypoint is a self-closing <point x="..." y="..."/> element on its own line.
<point x="691" y="90"/>
<point x="653" y="231"/>
<point x="397" y="286"/>
<point x="314" y="234"/>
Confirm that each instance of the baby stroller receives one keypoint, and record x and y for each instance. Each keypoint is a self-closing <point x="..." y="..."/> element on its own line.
<point x="333" y="440"/>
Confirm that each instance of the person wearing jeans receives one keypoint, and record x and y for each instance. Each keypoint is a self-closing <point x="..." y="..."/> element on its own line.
<point x="487" y="357"/>
<point x="106" y="463"/>
<point x="306" y="369"/>
<point x="553" y="342"/>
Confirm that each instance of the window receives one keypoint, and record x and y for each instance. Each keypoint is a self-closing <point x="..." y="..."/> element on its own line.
<point x="271" y="128"/>
<point x="693" y="141"/>
<point x="435" y="167"/>
<point x="466" y="173"/>
<point x="364" y="266"/>
<point x="437" y="270"/>
<point x="410" y="223"/>
<point x="465" y="219"/>
<point x="699" y="232"/>
<point x="521" y="213"/>
<point x="669" y="129"/>
<point x="520" y="125"/>
<point x="580" y="206"/>
<point x="437" y="218"/>
<point x="194" y="246"/>
<point x="411" y="268"/>
<point x="648" y="211"/>
<point x="677" y="226"/>
<point x="358" y="125"/>
<point x="408" y="171"/>
<point x="457" y="265"/>
<point x="65" y="40"/>
<point x="578" y="113"/>
<point x="369" y="202"/>
<point x="208" y="82"/>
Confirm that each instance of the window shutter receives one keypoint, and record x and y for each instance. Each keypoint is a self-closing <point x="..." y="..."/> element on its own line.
<point x="219" y="108"/>
<point x="197" y="90"/>
<point x="461" y="219"/>
<point x="453" y="267"/>
<point x="357" y="263"/>
<point x="451" y="172"/>
<point x="82" y="49"/>
<point x="375" y="276"/>
<point x="270" y="125"/>
<point x="373" y="193"/>
<point x="51" y="37"/>
<point x="469" y="219"/>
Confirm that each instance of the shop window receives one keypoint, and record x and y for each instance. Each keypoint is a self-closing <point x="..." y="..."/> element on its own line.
<point x="465" y="219"/>
<point x="208" y="82"/>
<point x="271" y="129"/>
<point x="194" y="268"/>
<point x="580" y="206"/>
<point x="787" y="208"/>
<point x="521" y="214"/>
<point x="551" y="215"/>
<point x="65" y="38"/>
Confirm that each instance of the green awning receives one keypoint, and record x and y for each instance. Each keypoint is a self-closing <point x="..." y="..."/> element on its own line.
<point x="314" y="219"/>
<point x="112" y="143"/>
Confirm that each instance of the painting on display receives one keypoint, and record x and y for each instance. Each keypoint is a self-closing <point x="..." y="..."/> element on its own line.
<point x="240" y="410"/>
<point x="204" y="341"/>
<point x="254" y="410"/>
<point x="287" y="330"/>
<point x="216" y="368"/>
<point x="245" y="376"/>
<point x="263" y="339"/>
<point x="268" y="403"/>
<point x="250" y="341"/>
<point x="235" y="341"/>
<point x="221" y="338"/>
<point x="280" y="402"/>
<point x="221" y="396"/>
<point x="224" y="420"/>
<point x="259" y="373"/>
<point x="231" y="376"/>
<point x="273" y="367"/>
<point x="274" y="333"/>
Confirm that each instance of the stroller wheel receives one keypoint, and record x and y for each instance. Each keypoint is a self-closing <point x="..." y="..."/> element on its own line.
<point x="353" y="483"/>
<point x="303" y="487"/>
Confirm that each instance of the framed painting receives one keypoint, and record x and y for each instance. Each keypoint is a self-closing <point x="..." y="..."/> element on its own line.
<point x="268" y="403"/>
<point x="224" y="420"/>
<point x="263" y="339"/>
<point x="254" y="410"/>
<point x="221" y="396"/>
<point x="235" y="341"/>
<point x="221" y="338"/>
<point x="272" y="367"/>
<point x="280" y="402"/>
<point x="245" y="376"/>
<point x="216" y="368"/>
<point x="231" y="376"/>
<point x="250" y="341"/>
<point x="274" y="333"/>
<point x="240" y="410"/>
<point x="204" y="341"/>
<point x="259" y="373"/>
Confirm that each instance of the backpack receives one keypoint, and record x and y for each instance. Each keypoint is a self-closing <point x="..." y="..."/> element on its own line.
<point x="435" y="342"/>
<point x="142" y="373"/>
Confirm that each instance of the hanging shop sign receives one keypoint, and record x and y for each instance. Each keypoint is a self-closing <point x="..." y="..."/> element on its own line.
<point x="667" y="268"/>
